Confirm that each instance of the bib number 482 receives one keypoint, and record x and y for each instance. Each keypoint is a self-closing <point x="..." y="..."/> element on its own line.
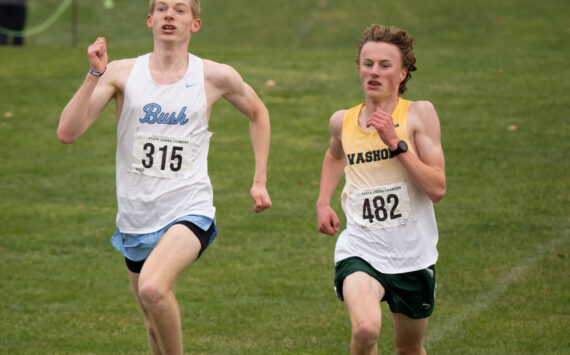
<point x="380" y="209"/>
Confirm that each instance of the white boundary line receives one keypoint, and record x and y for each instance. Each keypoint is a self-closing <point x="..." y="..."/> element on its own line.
<point x="310" y="23"/>
<point x="446" y="328"/>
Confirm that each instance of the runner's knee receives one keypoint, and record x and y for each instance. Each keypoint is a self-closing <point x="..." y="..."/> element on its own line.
<point x="152" y="293"/>
<point x="365" y="332"/>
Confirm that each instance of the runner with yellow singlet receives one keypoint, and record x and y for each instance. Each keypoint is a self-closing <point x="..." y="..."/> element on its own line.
<point x="390" y="153"/>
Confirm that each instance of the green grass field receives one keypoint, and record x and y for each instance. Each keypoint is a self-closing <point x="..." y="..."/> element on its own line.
<point x="498" y="75"/>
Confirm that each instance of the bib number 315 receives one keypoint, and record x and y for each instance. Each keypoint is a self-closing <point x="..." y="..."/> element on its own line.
<point x="381" y="207"/>
<point x="159" y="156"/>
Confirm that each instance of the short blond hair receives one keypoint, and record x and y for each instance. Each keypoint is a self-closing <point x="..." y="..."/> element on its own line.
<point x="194" y="7"/>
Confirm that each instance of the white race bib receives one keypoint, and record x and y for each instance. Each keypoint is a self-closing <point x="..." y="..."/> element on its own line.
<point x="163" y="157"/>
<point x="380" y="207"/>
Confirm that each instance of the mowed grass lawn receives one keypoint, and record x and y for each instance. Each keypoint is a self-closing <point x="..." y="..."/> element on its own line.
<point x="497" y="73"/>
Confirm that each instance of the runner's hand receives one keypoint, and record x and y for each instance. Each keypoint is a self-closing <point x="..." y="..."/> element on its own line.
<point x="261" y="199"/>
<point x="97" y="53"/>
<point x="384" y="124"/>
<point x="328" y="220"/>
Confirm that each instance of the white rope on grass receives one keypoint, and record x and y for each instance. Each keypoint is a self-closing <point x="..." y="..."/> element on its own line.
<point x="42" y="26"/>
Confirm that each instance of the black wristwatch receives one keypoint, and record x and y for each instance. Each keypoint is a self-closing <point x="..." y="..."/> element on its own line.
<point x="402" y="148"/>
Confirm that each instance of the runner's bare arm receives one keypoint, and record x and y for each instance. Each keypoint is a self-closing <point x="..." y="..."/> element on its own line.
<point x="427" y="169"/>
<point x="224" y="81"/>
<point x="93" y="95"/>
<point x="331" y="174"/>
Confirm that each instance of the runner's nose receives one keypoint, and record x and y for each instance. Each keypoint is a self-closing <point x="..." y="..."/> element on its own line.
<point x="169" y="13"/>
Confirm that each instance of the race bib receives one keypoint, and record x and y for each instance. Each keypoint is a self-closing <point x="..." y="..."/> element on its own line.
<point x="160" y="156"/>
<point x="380" y="207"/>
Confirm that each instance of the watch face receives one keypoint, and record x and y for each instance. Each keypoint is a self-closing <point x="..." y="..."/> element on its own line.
<point x="402" y="146"/>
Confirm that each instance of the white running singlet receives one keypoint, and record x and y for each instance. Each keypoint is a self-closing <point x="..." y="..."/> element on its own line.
<point x="162" y="149"/>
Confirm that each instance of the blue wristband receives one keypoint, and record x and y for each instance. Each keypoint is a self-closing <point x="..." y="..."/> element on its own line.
<point x="96" y="73"/>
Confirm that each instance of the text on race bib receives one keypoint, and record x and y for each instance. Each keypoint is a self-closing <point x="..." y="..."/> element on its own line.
<point x="380" y="207"/>
<point x="163" y="157"/>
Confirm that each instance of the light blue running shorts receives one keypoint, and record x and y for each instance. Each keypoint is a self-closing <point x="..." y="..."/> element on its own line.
<point x="137" y="247"/>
